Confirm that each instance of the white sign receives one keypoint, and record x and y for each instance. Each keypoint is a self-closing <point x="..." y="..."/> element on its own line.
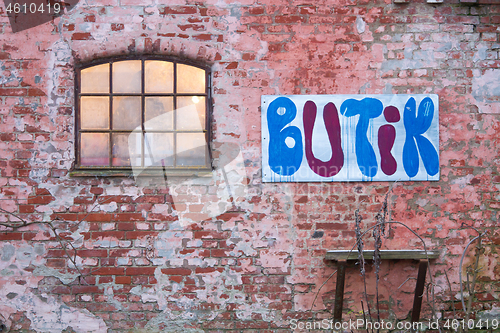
<point x="308" y="138"/>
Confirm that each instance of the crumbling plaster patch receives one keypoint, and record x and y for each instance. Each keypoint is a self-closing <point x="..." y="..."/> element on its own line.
<point x="20" y="293"/>
<point x="486" y="89"/>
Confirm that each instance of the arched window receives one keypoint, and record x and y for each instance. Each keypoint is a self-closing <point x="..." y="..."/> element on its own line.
<point x="142" y="114"/>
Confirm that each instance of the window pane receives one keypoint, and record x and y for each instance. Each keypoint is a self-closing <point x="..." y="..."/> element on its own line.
<point x="159" y="115"/>
<point x="94" y="149"/>
<point x="190" y="79"/>
<point x="191" y="113"/>
<point x="191" y="149"/>
<point x="126" y="113"/>
<point x="159" y="76"/>
<point x="127" y="76"/>
<point x="94" y="112"/>
<point x="126" y="147"/>
<point x="95" y="79"/>
<point x="159" y="149"/>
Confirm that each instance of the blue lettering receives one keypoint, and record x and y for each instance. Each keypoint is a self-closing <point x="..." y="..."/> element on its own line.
<point x="415" y="126"/>
<point x="285" y="143"/>
<point x="367" y="109"/>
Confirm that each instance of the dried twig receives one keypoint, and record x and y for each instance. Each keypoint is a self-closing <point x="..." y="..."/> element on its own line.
<point x="64" y="243"/>
<point x="451" y="295"/>
<point x="472" y="285"/>
<point x="359" y="241"/>
<point x="317" y="293"/>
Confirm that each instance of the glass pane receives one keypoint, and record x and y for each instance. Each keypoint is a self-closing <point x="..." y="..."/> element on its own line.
<point x="159" y="76"/>
<point x="190" y="79"/>
<point x="95" y="79"/>
<point x="94" y="149"/>
<point x="191" y="149"/>
<point x="126" y="113"/>
<point x="94" y="112"/>
<point x="191" y="113"/>
<point x="126" y="147"/>
<point x="127" y="76"/>
<point x="159" y="115"/>
<point x="135" y="148"/>
<point x="159" y="149"/>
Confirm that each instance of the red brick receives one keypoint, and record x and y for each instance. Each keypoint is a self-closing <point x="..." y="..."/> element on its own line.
<point x="204" y="270"/>
<point x="220" y="253"/>
<point x="109" y="271"/>
<point x="21" y="92"/>
<point x="61" y="290"/>
<point x="219" y="324"/>
<point x="211" y="235"/>
<point x="6" y="236"/>
<point x="251" y="324"/>
<point x="287" y="19"/>
<point x="128" y="217"/>
<point x="82" y="36"/>
<point x="26" y="209"/>
<point x="119" y="252"/>
<point x="84" y="200"/>
<point x="66" y="216"/>
<point x="176" y="271"/>
<point x="97" y="191"/>
<point x="139" y="234"/>
<point x="203" y="37"/>
<point x="117" y="26"/>
<point x="56" y="253"/>
<point x="178" y="10"/>
<point x="100" y="307"/>
<point x="56" y="263"/>
<point x="176" y="278"/>
<point x="123" y="280"/>
<point x="7" y="137"/>
<point x="92" y="253"/>
<point x="89" y="18"/>
<point x="83" y="289"/>
<point x="126" y="226"/>
<point x="150" y="199"/>
<point x="98" y="217"/>
<point x="332" y="226"/>
<point x="256" y="10"/>
<point x="105" y="279"/>
<point x="19" y="164"/>
<point x="105" y="234"/>
<point x="27" y="236"/>
<point x="115" y="198"/>
<point x="140" y="270"/>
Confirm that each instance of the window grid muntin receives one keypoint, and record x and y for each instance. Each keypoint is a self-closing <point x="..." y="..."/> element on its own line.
<point x="144" y="95"/>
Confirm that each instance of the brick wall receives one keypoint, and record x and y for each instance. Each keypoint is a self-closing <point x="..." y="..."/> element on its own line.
<point x="181" y="255"/>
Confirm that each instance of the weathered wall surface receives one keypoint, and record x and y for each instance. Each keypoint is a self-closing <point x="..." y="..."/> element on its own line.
<point x="200" y="264"/>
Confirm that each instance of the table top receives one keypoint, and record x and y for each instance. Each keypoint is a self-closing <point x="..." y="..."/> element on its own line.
<point x="384" y="254"/>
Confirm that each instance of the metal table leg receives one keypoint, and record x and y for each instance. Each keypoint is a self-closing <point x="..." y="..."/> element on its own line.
<point x="419" y="291"/>
<point x="339" y="291"/>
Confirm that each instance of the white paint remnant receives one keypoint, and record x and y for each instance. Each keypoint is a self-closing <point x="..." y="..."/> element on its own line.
<point x="65" y="278"/>
<point x="45" y="312"/>
<point x="360" y="25"/>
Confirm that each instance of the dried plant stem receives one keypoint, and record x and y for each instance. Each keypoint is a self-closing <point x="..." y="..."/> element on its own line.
<point x="317" y="293"/>
<point x="475" y="269"/>
<point x="433" y="302"/>
<point x="451" y="295"/>
<point x="64" y="243"/>
<point x="472" y="285"/>
<point x="359" y="242"/>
